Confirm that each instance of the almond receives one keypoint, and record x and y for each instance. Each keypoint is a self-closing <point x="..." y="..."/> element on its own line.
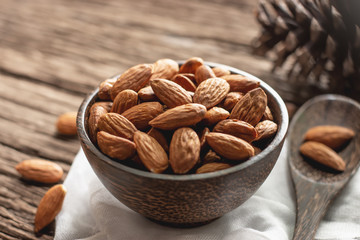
<point x="66" y="123"/>
<point x="124" y="100"/>
<point x="159" y="136"/>
<point x="239" y="83"/>
<point x="191" y="65"/>
<point x="251" y="107"/>
<point x="114" y="146"/>
<point x="190" y="76"/>
<point x="230" y="147"/>
<point x="147" y="94"/>
<point x="105" y="88"/>
<point x="170" y="93"/>
<point x="202" y="138"/>
<point x="231" y="99"/>
<point x="219" y="71"/>
<point x="265" y="129"/>
<point x="323" y="155"/>
<point x="330" y="135"/>
<point x="40" y="170"/>
<point x="236" y="128"/>
<point x="106" y="105"/>
<point x="267" y="114"/>
<point x="184" y="82"/>
<point x="210" y="157"/>
<point x="181" y="116"/>
<point x="165" y="68"/>
<point x="211" y="92"/>
<point x="141" y="114"/>
<point x="150" y="152"/>
<point x="117" y="125"/>
<point x="49" y="206"/>
<point x="215" y="115"/>
<point x="212" y="167"/>
<point x="134" y="78"/>
<point x="184" y="150"/>
<point x="96" y="111"/>
<point x="202" y="73"/>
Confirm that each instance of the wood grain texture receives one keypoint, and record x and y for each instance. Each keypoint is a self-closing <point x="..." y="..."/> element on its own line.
<point x="316" y="186"/>
<point x="54" y="53"/>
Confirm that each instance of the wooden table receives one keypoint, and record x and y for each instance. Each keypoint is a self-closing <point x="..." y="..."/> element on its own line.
<point x="52" y="53"/>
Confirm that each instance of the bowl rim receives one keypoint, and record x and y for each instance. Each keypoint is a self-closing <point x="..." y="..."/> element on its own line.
<point x="278" y="139"/>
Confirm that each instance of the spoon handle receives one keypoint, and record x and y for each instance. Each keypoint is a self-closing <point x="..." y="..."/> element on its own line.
<point x="312" y="199"/>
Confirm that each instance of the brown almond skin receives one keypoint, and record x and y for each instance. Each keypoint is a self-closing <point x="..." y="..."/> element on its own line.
<point x="134" y="78"/>
<point x="159" y="136"/>
<point x="165" y="68"/>
<point x="49" y="206"/>
<point x="215" y="115"/>
<point x="267" y="114"/>
<point x="40" y="170"/>
<point x="105" y="88"/>
<point x="236" y="128"/>
<point x="150" y="152"/>
<point x="170" y="93"/>
<point x="202" y="138"/>
<point x="117" y="125"/>
<point x="265" y="129"/>
<point x="184" y="150"/>
<point x="239" y="83"/>
<point x="124" y="100"/>
<point x="181" y="116"/>
<point x="211" y="92"/>
<point x="251" y="107"/>
<point x="330" y="135"/>
<point x="106" y="105"/>
<point x="190" y="76"/>
<point x="212" y="167"/>
<point x="202" y="73"/>
<point x="191" y="65"/>
<point x="66" y="124"/>
<point x="230" y="147"/>
<point x="231" y="99"/>
<point x="184" y="82"/>
<point x="140" y="115"/>
<point x="96" y="111"/>
<point x="323" y="155"/>
<point x="114" y="146"/>
<point x="219" y="71"/>
<point x="146" y="94"/>
<point x="210" y="157"/>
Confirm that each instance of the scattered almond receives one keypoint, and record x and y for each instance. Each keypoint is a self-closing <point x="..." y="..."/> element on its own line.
<point x="49" y="206"/>
<point x="40" y="170"/>
<point x="66" y="123"/>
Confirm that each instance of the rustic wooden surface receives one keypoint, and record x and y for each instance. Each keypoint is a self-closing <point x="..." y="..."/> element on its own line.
<point x="54" y="52"/>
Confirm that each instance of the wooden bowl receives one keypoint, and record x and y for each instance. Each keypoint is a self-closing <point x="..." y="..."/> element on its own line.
<point x="186" y="200"/>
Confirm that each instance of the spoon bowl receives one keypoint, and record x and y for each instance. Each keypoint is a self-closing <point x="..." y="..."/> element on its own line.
<point x="315" y="186"/>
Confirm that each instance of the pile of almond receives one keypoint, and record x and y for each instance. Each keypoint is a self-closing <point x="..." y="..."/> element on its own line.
<point x="322" y="142"/>
<point x="187" y="119"/>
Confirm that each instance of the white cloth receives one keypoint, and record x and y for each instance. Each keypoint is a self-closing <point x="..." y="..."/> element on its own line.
<point x="91" y="212"/>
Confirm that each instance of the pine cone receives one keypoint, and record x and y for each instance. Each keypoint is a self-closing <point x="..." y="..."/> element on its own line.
<point x="314" y="41"/>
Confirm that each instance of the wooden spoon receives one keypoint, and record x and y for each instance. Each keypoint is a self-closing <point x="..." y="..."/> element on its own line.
<point x="315" y="188"/>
